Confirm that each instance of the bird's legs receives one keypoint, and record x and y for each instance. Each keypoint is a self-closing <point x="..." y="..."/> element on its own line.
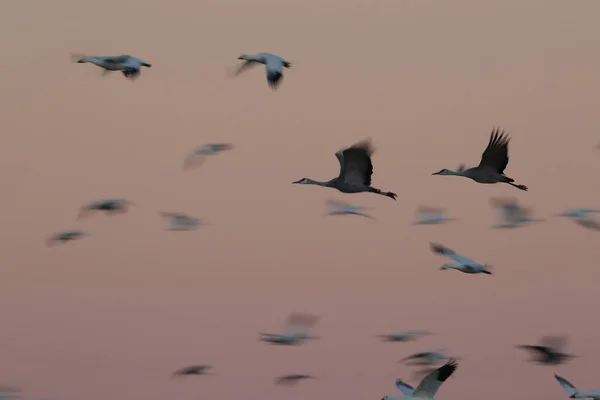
<point x="388" y="194"/>
<point x="522" y="187"/>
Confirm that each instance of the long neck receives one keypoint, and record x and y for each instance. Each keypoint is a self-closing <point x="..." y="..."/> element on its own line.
<point x="313" y="182"/>
<point x="457" y="173"/>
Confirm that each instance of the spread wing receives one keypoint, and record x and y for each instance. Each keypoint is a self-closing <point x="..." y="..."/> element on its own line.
<point x="439" y="249"/>
<point x="404" y="387"/>
<point x="569" y="387"/>
<point x="534" y="348"/>
<point x="432" y="382"/>
<point x="355" y="163"/>
<point x="245" y="66"/>
<point x="495" y="155"/>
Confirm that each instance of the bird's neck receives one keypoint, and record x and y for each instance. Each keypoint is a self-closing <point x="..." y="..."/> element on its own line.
<point x="457" y="173"/>
<point x="313" y="182"/>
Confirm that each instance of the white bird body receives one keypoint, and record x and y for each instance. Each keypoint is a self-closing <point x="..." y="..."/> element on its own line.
<point x="274" y="66"/>
<point x="130" y="66"/>
<point x="511" y="213"/>
<point x="340" y="208"/>
<point x="295" y="331"/>
<point x="429" y="385"/>
<point x="199" y="154"/>
<point x="462" y="264"/>
<point x="576" y="394"/>
<point x="430" y="216"/>
<point x="181" y="222"/>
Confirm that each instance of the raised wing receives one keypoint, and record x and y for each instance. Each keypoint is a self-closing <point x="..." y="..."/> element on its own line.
<point x="299" y="323"/>
<point x="432" y="382"/>
<point x="495" y="155"/>
<point x="404" y="387"/>
<point x="439" y="249"/>
<point x="274" y="70"/>
<point x="569" y="387"/>
<point x="245" y="66"/>
<point x="356" y="165"/>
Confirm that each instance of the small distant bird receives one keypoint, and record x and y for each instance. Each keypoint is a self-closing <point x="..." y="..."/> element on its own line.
<point x="274" y="66"/>
<point x="111" y="207"/>
<point x="406" y="336"/>
<point x="199" y="154"/>
<point x="10" y="393"/>
<point x="512" y="214"/>
<point x="462" y="264"/>
<point x="129" y="66"/>
<point x="427" y="357"/>
<point x="428" y="386"/>
<point x="493" y="163"/>
<point x="193" y="370"/>
<point x="430" y="216"/>
<point x="65" y="236"/>
<point x="340" y="208"/>
<point x="292" y="379"/>
<point x="295" y="332"/>
<point x="583" y="216"/>
<point x="181" y="222"/>
<point x="549" y="350"/>
<point x="576" y="394"/>
<point x="356" y="170"/>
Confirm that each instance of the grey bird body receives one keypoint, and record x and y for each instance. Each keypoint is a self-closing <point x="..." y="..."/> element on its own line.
<point x="129" y="66"/>
<point x="492" y="165"/>
<point x="274" y="66"/>
<point x="199" y="154"/>
<point x="65" y="236"/>
<point x="181" y="222"/>
<point x="110" y="206"/>
<point x="356" y="170"/>
<point x="403" y="336"/>
<point x="340" y="208"/>
<point x="549" y="351"/>
<point x="292" y="379"/>
<point x="295" y="332"/>
<point x="193" y="370"/>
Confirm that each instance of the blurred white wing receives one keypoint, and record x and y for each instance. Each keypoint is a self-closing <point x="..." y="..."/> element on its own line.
<point x="432" y="382"/>
<point x="404" y="387"/>
<point x="299" y="323"/>
<point x="566" y="384"/>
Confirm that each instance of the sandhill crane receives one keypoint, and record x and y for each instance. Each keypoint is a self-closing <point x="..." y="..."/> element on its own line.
<point x="110" y="206"/>
<point x="427" y="357"/>
<point x="463" y="264"/>
<point x="199" y="154"/>
<point x="65" y="236"/>
<point x="337" y="207"/>
<point x="512" y="214"/>
<point x="181" y="222"/>
<point x="295" y="332"/>
<point x="406" y="336"/>
<point x="428" y="386"/>
<point x="549" y="350"/>
<point x="356" y="170"/>
<point x="430" y="216"/>
<point x="274" y="66"/>
<point x="582" y="216"/>
<point x="292" y="379"/>
<point x="574" y="393"/>
<point x="493" y="162"/>
<point x="129" y="66"/>
<point x="193" y="370"/>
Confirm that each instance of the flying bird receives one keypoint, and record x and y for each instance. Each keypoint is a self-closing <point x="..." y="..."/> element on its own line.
<point x="462" y="264"/>
<point x="10" y="393"/>
<point x="356" y="170"/>
<point x="430" y="216"/>
<point x="340" y="208"/>
<point x="428" y="386"/>
<point x="492" y="165"/>
<point x="111" y="207"/>
<point x="512" y="214"/>
<point x="274" y="66"/>
<point x="549" y="350"/>
<point x="129" y="66"/>
<point x="180" y="222"/>
<point x="292" y="379"/>
<point x="199" y="154"/>
<point x="65" y="236"/>
<point x="406" y="336"/>
<point x="574" y="393"/>
<point x="583" y="216"/>
<point x="193" y="370"/>
<point x="427" y="357"/>
<point x="295" y="332"/>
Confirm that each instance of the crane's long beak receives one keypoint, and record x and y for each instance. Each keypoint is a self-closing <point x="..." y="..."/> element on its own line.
<point x="298" y="181"/>
<point x="435" y="173"/>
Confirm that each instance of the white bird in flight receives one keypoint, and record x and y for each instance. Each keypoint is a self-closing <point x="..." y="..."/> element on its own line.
<point x="430" y="216"/>
<point x="181" y="222"/>
<point x="406" y="336"/>
<point x="65" y="236"/>
<point x="199" y="154"/>
<point x="337" y="207"/>
<point x="462" y="264"/>
<point x="274" y="66"/>
<point x="582" y="216"/>
<point x="576" y="394"/>
<point x="295" y="331"/>
<point x="511" y="213"/>
<point x="110" y="206"/>
<point x="129" y="66"/>
<point x="428" y="386"/>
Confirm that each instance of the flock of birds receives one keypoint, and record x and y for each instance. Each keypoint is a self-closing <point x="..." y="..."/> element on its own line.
<point x="356" y="170"/>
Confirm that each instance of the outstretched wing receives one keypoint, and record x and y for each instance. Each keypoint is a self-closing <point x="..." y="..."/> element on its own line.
<point x="439" y="249"/>
<point x="495" y="155"/>
<point x="245" y="66"/>
<point x="534" y="348"/>
<point x="355" y="162"/>
<point x="569" y="387"/>
<point x="405" y="387"/>
<point x="432" y="382"/>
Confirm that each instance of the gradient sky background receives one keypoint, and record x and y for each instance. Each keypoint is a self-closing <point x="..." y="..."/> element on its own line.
<point x="112" y="315"/>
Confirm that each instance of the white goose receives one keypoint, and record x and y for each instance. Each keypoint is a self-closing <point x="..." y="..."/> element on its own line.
<point x="274" y="66"/>
<point x="430" y="216"/>
<point x="512" y="214"/>
<point x="576" y="394"/>
<point x="337" y="207"/>
<point x="463" y="264"/>
<point x="428" y="386"/>
<point x="129" y="66"/>
<point x="582" y="216"/>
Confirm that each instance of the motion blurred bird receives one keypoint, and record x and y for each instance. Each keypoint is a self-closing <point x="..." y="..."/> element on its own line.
<point x="427" y="357"/>
<point x="574" y="393"/>
<point x="274" y="66"/>
<point x="111" y="207"/>
<point x="356" y="170"/>
<point x="295" y="331"/>
<point x="492" y="165"/>
<point x="428" y="386"/>
<point x="65" y="236"/>
<point x="340" y="208"/>
<point x="199" y="154"/>
<point x="292" y="379"/>
<point x="129" y="66"/>
<point x="582" y="216"/>
<point x="193" y="370"/>
<point x="406" y="336"/>
<point x="511" y="213"/>
<point x="10" y="393"/>
<point x="549" y="350"/>
<point x="463" y="264"/>
<point x="181" y="222"/>
<point x="430" y="216"/>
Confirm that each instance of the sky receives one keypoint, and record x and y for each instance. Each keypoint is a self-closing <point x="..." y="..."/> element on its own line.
<point x="114" y="314"/>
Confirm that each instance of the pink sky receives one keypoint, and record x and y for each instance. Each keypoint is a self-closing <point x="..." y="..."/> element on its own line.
<point x="112" y="315"/>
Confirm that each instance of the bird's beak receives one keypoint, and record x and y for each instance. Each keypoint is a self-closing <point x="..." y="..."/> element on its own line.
<point x="146" y="65"/>
<point x="435" y="173"/>
<point x="298" y="181"/>
<point x="572" y="396"/>
<point x="80" y="61"/>
<point x="240" y="58"/>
